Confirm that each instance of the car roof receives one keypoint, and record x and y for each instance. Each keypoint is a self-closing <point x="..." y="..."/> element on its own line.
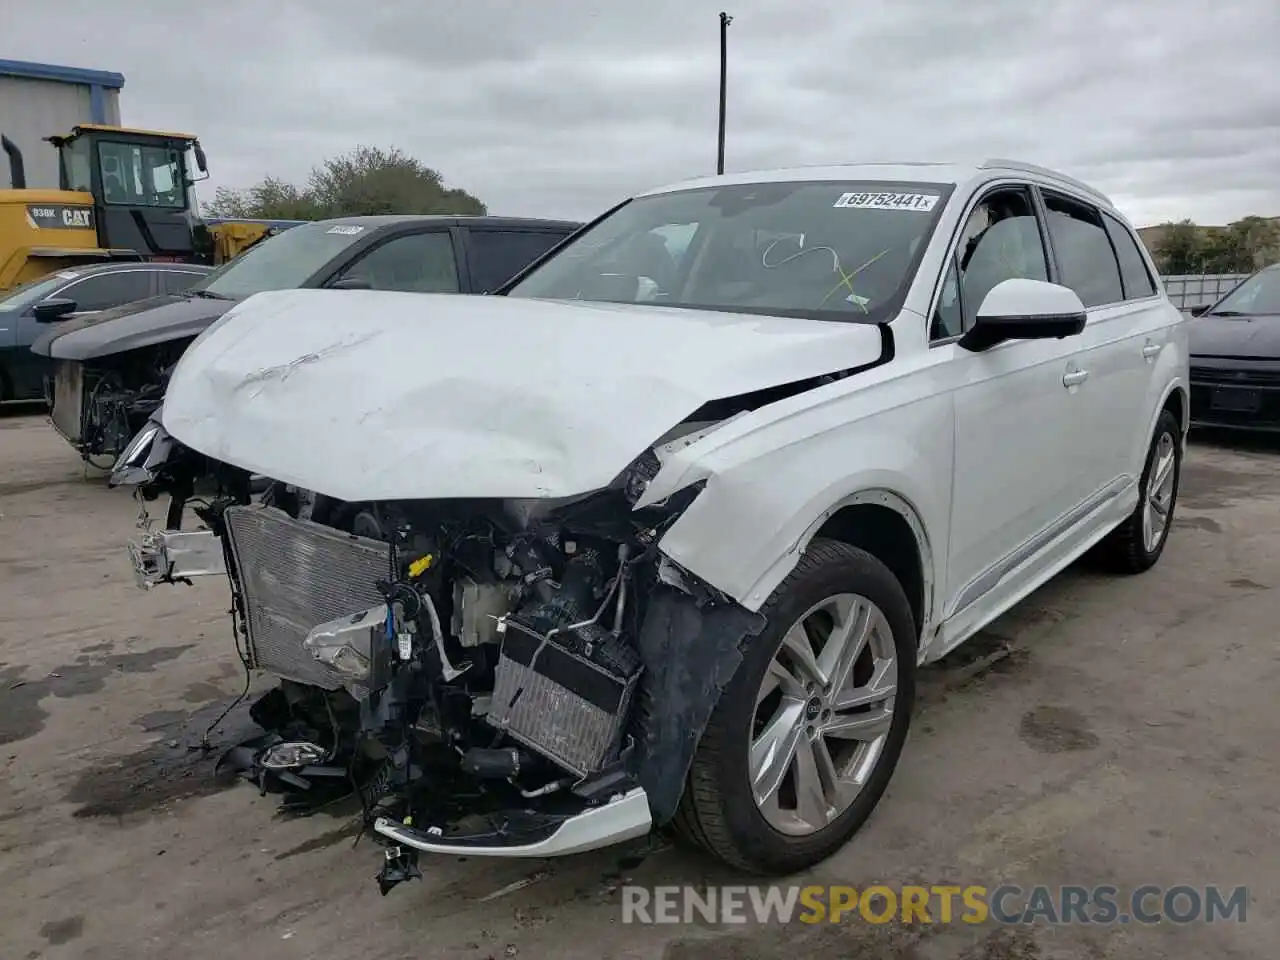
<point x="398" y="219"/>
<point x="959" y="174"/>
<point x="124" y="266"/>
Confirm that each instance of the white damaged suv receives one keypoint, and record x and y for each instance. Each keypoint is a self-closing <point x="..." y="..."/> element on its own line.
<point x="662" y="533"/>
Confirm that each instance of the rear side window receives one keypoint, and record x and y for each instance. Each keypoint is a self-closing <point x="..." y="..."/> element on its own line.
<point x="1083" y="250"/>
<point x="498" y="255"/>
<point x="1133" y="269"/>
<point x="109" y="289"/>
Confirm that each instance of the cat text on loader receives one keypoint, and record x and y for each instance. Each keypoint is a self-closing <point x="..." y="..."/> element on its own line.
<point x="123" y="195"/>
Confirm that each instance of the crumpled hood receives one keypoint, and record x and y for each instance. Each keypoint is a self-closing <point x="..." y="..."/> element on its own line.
<point x="134" y="325"/>
<point x="1254" y="337"/>
<point x="365" y="395"/>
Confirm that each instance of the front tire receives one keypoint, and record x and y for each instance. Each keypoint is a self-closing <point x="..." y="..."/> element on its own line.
<point x="1136" y="545"/>
<point x="806" y="736"/>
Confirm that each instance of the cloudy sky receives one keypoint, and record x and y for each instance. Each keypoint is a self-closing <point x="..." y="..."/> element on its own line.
<point x="560" y="108"/>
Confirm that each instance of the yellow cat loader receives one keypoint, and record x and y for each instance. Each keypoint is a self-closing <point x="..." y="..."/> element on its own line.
<point x="124" y="194"/>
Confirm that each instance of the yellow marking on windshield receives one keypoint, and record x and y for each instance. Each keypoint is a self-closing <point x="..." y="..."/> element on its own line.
<point x="846" y="281"/>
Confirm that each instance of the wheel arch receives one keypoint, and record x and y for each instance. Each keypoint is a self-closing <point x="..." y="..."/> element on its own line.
<point x="888" y="527"/>
<point x="1176" y="402"/>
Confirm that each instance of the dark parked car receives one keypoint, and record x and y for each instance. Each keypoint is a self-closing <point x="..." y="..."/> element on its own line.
<point x="26" y="311"/>
<point x="1235" y="357"/>
<point x="111" y="369"/>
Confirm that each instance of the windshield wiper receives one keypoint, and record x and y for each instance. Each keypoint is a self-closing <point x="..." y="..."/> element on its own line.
<point x="208" y="295"/>
<point x="1226" y="313"/>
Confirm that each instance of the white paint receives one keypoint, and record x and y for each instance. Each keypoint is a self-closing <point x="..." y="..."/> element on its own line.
<point x="374" y="395"/>
<point x="1005" y="470"/>
<point x="346" y="229"/>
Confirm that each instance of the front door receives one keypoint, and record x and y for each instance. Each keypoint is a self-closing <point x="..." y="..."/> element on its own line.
<point x="422" y="262"/>
<point x="1015" y="474"/>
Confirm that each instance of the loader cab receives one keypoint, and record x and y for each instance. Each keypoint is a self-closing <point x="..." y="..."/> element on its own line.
<point x="140" y="182"/>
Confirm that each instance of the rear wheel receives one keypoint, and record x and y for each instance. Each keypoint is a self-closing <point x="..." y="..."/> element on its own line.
<point x="807" y="734"/>
<point x="1136" y="545"/>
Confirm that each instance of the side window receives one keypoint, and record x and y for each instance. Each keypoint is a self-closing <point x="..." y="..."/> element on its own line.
<point x="999" y="241"/>
<point x="175" y="281"/>
<point x="1133" y="269"/>
<point x="1083" y="251"/>
<point x="109" y="289"/>
<point x="498" y="255"/>
<point x="415" y="263"/>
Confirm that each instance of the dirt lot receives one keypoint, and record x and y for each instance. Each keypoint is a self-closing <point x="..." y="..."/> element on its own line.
<point x="1129" y="738"/>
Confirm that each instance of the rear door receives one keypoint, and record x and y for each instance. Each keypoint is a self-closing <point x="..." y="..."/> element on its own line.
<point x="496" y="254"/>
<point x="1121" y="339"/>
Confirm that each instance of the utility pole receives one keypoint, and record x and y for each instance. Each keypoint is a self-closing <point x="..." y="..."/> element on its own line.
<point x="725" y="20"/>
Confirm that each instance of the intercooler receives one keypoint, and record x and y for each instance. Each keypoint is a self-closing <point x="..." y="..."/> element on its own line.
<point x="294" y="575"/>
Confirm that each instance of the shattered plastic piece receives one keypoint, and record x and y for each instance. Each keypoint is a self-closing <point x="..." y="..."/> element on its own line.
<point x="291" y="755"/>
<point x="398" y="866"/>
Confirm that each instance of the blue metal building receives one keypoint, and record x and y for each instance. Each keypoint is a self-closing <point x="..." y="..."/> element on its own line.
<point x="38" y="100"/>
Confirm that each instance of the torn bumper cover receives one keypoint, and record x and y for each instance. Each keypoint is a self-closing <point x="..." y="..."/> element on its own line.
<point x="624" y="817"/>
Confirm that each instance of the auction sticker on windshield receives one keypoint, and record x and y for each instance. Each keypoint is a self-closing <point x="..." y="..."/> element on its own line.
<point x="923" y="202"/>
<point x="346" y="229"/>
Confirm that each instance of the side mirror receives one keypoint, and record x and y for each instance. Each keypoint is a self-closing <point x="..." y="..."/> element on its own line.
<point x="202" y="162"/>
<point x="1021" y="309"/>
<point x="1200" y="309"/>
<point x="351" y="283"/>
<point x="55" y="308"/>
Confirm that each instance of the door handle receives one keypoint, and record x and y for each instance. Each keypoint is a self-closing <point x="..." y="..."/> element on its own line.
<point x="1073" y="378"/>
<point x="1150" y="350"/>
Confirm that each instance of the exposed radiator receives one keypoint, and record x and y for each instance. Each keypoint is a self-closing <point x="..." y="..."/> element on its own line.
<point x="294" y="575"/>
<point x="563" y="704"/>
<point x="67" y="400"/>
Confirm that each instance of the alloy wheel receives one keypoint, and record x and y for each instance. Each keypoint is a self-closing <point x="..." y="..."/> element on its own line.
<point x="823" y="714"/>
<point x="1159" y="501"/>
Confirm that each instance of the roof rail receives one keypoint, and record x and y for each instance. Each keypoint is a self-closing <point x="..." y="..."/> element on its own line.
<point x="998" y="163"/>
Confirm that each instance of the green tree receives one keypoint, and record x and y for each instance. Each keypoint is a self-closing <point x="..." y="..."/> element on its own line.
<point x="363" y="182"/>
<point x="1180" y="249"/>
<point x="370" y="180"/>
<point x="271" y="199"/>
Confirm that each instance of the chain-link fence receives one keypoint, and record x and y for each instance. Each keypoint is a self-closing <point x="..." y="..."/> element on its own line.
<point x="1187" y="291"/>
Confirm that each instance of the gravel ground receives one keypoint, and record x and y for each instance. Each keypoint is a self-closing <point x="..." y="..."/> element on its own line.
<point x="1106" y="731"/>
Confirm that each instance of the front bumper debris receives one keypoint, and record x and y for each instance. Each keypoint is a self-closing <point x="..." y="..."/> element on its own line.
<point x="622" y="818"/>
<point x="169" y="556"/>
<point x="626" y="817"/>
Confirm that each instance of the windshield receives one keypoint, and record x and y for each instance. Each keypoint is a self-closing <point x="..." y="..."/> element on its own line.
<point x="283" y="262"/>
<point x="826" y="250"/>
<point x="33" y="291"/>
<point x="1259" y="294"/>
